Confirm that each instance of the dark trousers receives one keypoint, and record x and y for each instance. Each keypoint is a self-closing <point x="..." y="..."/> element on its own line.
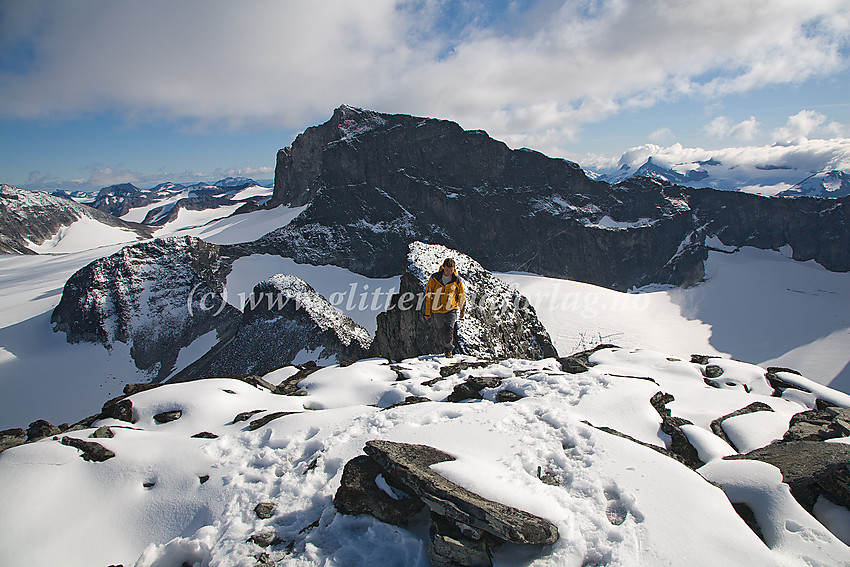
<point x="445" y="323"/>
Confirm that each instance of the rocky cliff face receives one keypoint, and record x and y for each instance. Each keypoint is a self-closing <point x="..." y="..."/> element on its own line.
<point x="499" y="320"/>
<point x="157" y="297"/>
<point x="376" y="182"/>
<point x="34" y="216"/>
<point x="284" y="317"/>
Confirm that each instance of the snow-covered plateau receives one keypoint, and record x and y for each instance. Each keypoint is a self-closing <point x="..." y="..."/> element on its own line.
<point x="228" y="472"/>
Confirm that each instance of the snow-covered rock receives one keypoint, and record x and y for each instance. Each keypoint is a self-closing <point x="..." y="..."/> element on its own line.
<point x="499" y="320"/>
<point x="284" y="322"/>
<point x="157" y="297"/>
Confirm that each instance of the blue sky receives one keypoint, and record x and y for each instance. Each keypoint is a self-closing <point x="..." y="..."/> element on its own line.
<point x="95" y="92"/>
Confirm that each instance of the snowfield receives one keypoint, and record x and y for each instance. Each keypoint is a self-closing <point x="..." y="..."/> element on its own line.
<point x="168" y="497"/>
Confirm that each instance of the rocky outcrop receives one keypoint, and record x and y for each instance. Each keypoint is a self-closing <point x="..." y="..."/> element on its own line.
<point x="376" y="182"/>
<point x="283" y="317"/>
<point x="32" y="217"/>
<point x="464" y="526"/>
<point x="157" y="297"/>
<point x="499" y="322"/>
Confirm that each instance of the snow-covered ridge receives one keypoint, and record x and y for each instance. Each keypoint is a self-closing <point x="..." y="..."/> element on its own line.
<point x="285" y="287"/>
<point x="217" y="472"/>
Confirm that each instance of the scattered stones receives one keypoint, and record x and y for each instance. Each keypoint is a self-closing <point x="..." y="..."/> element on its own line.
<point x="91" y="451"/>
<point x="471" y="388"/>
<point x="579" y="362"/>
<point x="246" y="415"/>
<point x="168" y="416"/>
<point x="102" y="433"/>
<point x="717" y="424"/>
<point x="265" y="510"/>
<point x="359" y="493"/>
<point x="457" y="367"/>
<point x="259" y="422"/>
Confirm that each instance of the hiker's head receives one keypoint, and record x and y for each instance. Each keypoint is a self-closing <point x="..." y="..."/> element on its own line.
<point x="448" y="266"/>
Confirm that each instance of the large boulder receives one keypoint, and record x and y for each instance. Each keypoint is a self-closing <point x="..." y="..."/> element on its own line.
<point x="283" y="317"/>
<point x="499" y="322"/>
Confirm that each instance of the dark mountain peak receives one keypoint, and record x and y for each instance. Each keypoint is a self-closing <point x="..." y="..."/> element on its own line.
<point x="118" y="190"/>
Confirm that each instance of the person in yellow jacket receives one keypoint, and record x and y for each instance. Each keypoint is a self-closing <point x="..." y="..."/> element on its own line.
<point x="444" y="297"/>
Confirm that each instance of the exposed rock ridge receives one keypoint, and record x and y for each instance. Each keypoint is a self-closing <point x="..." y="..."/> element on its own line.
<point x="157" y="297"/>
<point x="376" y="182"/>
<point x="499" y="322"/>
<point x="283" y="317"/>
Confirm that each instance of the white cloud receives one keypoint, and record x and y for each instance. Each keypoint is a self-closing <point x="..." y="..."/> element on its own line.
<point x="267" y="63"/>
<point x="662" y="135"/>
<point x="799" y="127"/>
<point x="720" y="128"/>
<point x="765" y="169"/>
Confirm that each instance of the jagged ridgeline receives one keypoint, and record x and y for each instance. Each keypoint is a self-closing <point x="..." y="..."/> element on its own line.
<point x="162" y="296"/>
<point x="375" y="182"/>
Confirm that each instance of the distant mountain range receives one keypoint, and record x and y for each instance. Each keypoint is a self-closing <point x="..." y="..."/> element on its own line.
<point x="768" y="179"/>
<point x="161" y="204"/>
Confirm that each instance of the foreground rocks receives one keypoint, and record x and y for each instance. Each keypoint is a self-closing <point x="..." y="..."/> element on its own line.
<point x="464" y="525"/>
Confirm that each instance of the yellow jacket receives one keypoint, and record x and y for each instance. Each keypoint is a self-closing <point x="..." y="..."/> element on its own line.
<point x="441" y="298"/>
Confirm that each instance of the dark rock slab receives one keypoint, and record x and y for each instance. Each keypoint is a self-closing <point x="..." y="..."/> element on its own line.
<point x="411" y="465"/>
<point x="810" y="468"/>
<point x="672" y="426"/>
<point x="829" y="422"/>
<point x="168" y="416"/>
<point x="91" y="451"/>
<point x="102" y="433"/>
<point x="471" y="388"/>
<point x="579" y="362"/>
<point x="119" y="408"/>
<point x="359" y="493"/>
<point x="246" y="415"/>
<point x="289" y="387"/>
<point x="266" y="419"/>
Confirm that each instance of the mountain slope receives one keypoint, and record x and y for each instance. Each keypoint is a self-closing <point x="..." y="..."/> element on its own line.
<point x="35" y="222"/>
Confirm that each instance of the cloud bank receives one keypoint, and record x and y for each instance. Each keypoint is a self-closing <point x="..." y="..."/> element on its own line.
<point x="531" y="75"/>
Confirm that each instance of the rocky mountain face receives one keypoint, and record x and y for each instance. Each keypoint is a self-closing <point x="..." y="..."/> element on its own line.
<point x="499" y="321"/>
<point x="376" y="182"/>
<point x="34" y="216"/>
<point x="283" y="317"/>
<point x="157" y="297"/>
